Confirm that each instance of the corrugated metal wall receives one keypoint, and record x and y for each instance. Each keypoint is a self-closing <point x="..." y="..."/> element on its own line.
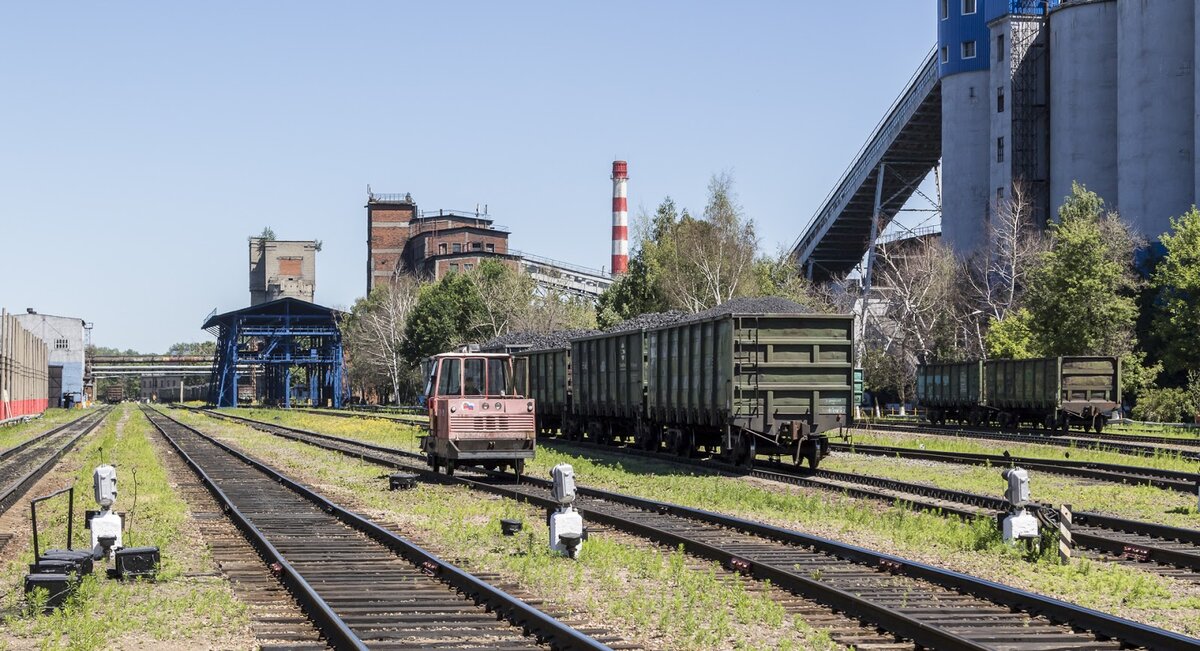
<point x="24" y="379"/>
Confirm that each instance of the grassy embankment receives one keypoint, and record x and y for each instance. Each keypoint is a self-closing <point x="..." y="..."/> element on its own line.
<point x="971" y="547"/>
<point x="179" y="610"/>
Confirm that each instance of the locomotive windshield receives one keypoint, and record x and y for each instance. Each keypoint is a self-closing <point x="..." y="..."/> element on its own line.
<point x="473" y="376"/>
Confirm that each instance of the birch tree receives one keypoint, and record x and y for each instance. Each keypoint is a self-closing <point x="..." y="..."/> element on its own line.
<point x="376" y="330"/>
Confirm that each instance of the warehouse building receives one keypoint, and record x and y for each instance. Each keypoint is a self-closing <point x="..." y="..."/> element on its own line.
<point x="1042" y="93"/>
<point x="65" y="338"/>
<point x="24" y="377"/>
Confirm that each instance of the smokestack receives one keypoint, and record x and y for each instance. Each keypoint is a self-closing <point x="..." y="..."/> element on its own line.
<point x="620" y="209"/>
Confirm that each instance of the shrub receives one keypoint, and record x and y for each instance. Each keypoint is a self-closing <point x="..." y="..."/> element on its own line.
<point x="1165" y="405"/>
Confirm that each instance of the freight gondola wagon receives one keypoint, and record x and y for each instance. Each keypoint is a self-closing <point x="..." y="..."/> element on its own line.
<point x="476" y="415"/>
<point x="545" y="376"/>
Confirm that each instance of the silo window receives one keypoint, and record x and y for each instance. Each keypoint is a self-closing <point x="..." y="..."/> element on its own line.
<point x="968" y="7"/>
<point x="1000" y="150"/>
<point x="999" y="48"/>
<point x="999" y="196"/>
<point x="945" y="54"/>
<point x="968" y="49"/>
<point x="945" y="9"/>
<point x="1000" y="99"/>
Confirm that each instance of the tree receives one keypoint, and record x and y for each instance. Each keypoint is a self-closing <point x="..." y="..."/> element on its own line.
<point x="203" y="348"/>
<point x="504" y="296"/>
<point x="641" y="289"/>
<point x="1011" y="337"/>
<point x="1000" y="271"/>
<point x="376" y="332"/>
<point x="267" y="233"/>
<point x="781" y="276"/>
<point x="710" y="261"/>
<point x="1176" y="284"/>
<point x="444" y="317"/>
<point x="1081" y="290"/>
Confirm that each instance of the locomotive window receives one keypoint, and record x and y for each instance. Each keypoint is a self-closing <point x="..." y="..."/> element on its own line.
<point x="498" y="378"/>
<point x="448" y="381"/>
<point x="473" y="377"/>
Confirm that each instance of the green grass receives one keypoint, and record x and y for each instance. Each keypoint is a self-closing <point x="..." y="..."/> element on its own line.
<point x="973" y="547"/>
<point x="103" y="611"/>
<point x="11" y="435"/>
<point x="657" y="593"/>
<point x="1135" y="502"/>
<point x="380" y="431"/>
<point x="1161" y="460"/>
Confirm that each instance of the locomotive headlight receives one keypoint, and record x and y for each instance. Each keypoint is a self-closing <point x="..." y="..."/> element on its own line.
<point x="453" y="409"/>
<point x="498" y="406"/>
<point x="529" y="406"/>
<point x="485" y="406"/>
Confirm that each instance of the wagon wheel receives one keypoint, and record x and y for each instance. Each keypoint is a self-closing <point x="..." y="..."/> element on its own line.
<point x="648" y="438"/>
<point x="1100" y="422"/>
<point x="684" y="444"/>
<point x="746" y="450"/>
<point x="1064" y="424"/>
<point x="1049" y="422"/>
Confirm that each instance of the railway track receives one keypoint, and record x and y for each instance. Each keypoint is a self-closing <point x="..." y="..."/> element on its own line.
<point x="362" y="585"/>
<point x="1162" y="549"/>
<point x="21" y="466"/>
<point x="1184" y="482"/>
<point x="1101" y="442"/>
<point x="417" y="421"/>
<point x="929" y="606"/>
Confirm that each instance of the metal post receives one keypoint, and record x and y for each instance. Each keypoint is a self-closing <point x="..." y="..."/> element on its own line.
<point x="70" y="516"/>
<point x="33" y="517"/>
<point x="866" y="286"/>
<point x="1066" y="544"/>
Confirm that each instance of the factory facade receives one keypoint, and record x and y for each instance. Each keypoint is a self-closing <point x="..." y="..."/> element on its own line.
<point x="1043" y="93"/>
<point x="403" y="240"/>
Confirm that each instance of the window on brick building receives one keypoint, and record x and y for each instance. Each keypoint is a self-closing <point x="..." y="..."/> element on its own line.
<point x="476" y="246"/>
<point x="454" y="266"/>
<point x="491" y="248"/>
<point x="442" y="249"/>
<point x="457" y="248"/>
<point x="468" y="266"/>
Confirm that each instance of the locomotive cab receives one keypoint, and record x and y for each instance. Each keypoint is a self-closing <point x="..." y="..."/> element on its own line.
<point x="476" y="417"/>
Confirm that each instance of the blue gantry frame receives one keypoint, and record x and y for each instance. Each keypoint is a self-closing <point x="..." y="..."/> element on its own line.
<point x="278" y="342"/>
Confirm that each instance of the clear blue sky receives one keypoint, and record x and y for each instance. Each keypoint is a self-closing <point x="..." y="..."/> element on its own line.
<point x="141" y="143"/>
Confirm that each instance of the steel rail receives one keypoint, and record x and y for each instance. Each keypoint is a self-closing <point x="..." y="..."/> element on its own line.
<point x="14" y="491"/>
<point x="1120" y="474"/>
<point x="1090" y="442"/>
<point x="515" y="611"/>
<point x="44" y="435"/>
<point x="1094" y="530"/>
<point x="336" y="631"/>
<point x="981" y="505"/>
<point x="1103" y="624"/>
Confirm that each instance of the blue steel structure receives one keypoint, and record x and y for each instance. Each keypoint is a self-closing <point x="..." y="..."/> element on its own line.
<point x="281" y="340"/>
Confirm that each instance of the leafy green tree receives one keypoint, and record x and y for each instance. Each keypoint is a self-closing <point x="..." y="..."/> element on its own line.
<point x="1136" y="375"/>
<point x="1166" y="405"/>
<point x="1080" y="293"/>
<point x="1176" y="283"/>
<point x="640" y="289"/>
<point x="1011" y="337"/>
<point x="444" y="316"/>
<point x="205" y="348"/>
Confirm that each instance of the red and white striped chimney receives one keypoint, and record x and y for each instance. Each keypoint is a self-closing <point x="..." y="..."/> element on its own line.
<point x="620" y="233"/>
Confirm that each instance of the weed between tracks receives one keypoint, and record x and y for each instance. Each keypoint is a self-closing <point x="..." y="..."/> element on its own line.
<point x="16" y="434"/>
<point x="179" y="611"/>
<point x="1160" y="460"/>
<point x="1144" y="503"/>
<point x="649" y="595"/>
<point x="974" y="547"/>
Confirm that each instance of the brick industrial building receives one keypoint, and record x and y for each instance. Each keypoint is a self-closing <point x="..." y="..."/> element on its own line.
<point x="403" y="240"/>
<point x="282" y="268"/>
